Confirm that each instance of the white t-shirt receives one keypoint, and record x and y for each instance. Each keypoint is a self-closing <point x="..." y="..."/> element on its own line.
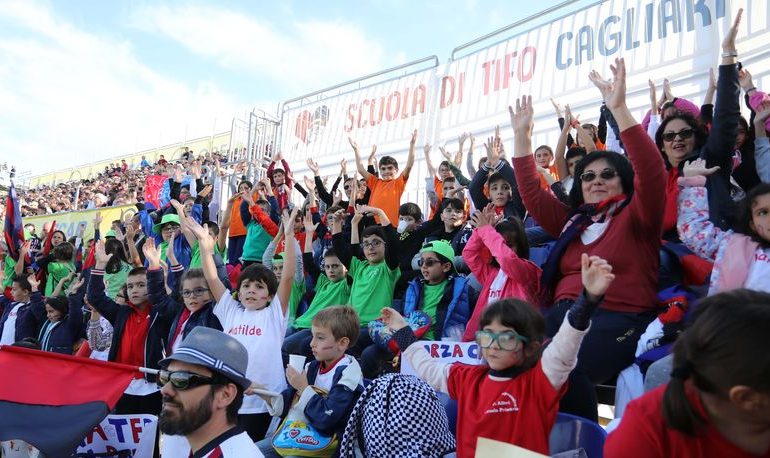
<point x="261" y="332"/>
<point x="759" y="272"/>
<point x="496" y="288"/>
<point x="9" y="328"/>
<point x="236" y="446"/>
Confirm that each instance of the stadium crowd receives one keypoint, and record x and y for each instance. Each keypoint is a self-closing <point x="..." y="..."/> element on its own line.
<point x="632" y="252"/>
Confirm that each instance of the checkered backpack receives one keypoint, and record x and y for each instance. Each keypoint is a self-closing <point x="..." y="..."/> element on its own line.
<point x="397" y="415"/>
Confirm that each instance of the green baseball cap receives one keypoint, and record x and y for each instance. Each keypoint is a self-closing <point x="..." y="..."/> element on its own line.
<point x="110" y="233"/>
<point x="441" y="247"/>
<point x="167" y="218"/>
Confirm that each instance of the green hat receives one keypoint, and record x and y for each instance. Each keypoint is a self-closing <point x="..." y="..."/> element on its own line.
<point x="109" y="233"/>
<point x="281" y="256"/>
<point x="441" y="247"/>
<point x="167" y="218"/>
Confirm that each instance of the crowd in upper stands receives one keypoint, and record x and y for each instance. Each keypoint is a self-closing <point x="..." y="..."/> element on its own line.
<point x="630" y="250"/>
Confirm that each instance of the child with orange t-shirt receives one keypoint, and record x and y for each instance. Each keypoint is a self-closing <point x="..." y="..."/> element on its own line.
<point x="386" y="190"/>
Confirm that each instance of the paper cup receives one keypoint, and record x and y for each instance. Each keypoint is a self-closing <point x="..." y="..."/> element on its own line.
<point x="297" y="362"/>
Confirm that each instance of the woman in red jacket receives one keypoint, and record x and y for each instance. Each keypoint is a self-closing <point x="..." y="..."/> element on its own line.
<point x="616" y="213"/>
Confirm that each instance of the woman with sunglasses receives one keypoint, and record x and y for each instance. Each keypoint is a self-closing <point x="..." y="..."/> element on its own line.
<point x="514" y="396"/>
<point x="616" y="213"/>
<point x="682" y="138"/>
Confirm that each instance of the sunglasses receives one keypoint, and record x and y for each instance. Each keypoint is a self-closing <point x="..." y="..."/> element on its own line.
<point x="197" y="292"/>
<point x="184" y="380"/>
<point x="428" y="262"/>
<point x="684" y="134"/>
<point x="505" y="340"/>
<point x="606" y="174"/>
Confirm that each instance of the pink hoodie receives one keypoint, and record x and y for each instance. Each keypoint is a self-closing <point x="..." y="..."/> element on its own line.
<point x="523" y="275"/>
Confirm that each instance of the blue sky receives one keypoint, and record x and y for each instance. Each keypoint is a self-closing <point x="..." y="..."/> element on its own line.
<point x="86" y="80"/>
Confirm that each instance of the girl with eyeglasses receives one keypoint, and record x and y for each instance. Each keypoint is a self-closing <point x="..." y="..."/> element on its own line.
<point x="616" y="213"/>
<point x="514" y="396"/>
<point x="497" y="255"/>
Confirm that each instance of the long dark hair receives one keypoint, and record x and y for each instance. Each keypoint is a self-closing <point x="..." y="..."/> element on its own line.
<point x="744" y="224"/>
<point x="114" y="247"/>
<point x="726" y="345"/>
<point x="616" y="161"/>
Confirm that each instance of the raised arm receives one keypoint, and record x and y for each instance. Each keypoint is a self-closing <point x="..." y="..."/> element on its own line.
<point x="428" y="162"/>
<point x="720" y="145"/>
<point x="561" y="146"/>
<point x="410" y="158"/>
<point x="546" y="208"/>
<point x="359" y="163"/>
<point x="761" y="143"/>
<point x="289" y="263"/>
<point x="648" y="201"/>
<point x="206" y="247"/>
<point x="96" y="294"/>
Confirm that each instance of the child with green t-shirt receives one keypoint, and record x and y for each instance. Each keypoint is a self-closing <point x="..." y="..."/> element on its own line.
<point x="374" y="267"/>
<point x="60" y="267"/>
<point x="332" y="287"/>
<point x="440" y="293"/>
<point x="275" y="263"/>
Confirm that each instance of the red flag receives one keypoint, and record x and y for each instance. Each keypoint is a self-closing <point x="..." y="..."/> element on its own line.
<point x="156" y="190"/>
<point x="52" y="400"/>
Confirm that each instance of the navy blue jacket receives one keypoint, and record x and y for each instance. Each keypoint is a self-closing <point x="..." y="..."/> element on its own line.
<point x="26" y="323"/>
<point x="66" y="331"/>
<point x="340" y="400"/>
<point x="156" y="293"/>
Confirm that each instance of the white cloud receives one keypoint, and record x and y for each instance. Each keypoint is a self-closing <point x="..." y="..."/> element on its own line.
<point x="70" y="97"/>
<point x="296" y="56"/>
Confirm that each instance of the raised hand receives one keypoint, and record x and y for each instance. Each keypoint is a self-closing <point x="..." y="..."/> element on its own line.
<point x="698" y="167"/>
<point x="445" y="153"/>
<point x="413" y="140"/>
<point x="372" y="158"/>
<point x="308" y="223"/>
<point x="597" y="276"/>
<point x="426" y="149"/>
<point x="392" y="319"/>
<point x="614" y="93"/>
<point x="152" y="254"/>
<point x="745" y="80"/>
<point x="728" y="43"/>
<point x="206" y="190"/>
<point x="313" y="166"/>
<point x="712" y="79"/>
<point x="33" y="282"/>
<point x="344" y="167"/>
<point x="522" y="117"/>
<point x="556" y="108"/>
<point x="75" y="286"/>
<point x="288" y="220"/>
<point x="101" y="256"/>
<point x="353" y="144"/>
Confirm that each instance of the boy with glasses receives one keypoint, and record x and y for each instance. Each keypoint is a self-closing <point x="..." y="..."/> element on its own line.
<point x="373" y="265"/>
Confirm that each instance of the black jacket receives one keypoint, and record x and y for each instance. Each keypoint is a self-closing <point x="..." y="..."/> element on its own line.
<point x="161" y="316"/>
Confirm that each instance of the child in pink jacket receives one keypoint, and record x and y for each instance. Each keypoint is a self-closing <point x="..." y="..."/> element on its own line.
<point x="497" y="255"/>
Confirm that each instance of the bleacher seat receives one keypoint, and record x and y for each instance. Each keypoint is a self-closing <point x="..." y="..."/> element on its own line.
<point x="572" y="433"/>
